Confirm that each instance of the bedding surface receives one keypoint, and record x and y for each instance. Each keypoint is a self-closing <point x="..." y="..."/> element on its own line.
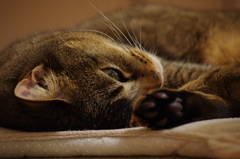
<point x="218" y="138"/>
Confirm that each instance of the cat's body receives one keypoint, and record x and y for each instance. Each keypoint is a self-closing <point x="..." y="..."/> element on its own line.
<point x="198" y="36"/>
<point x="83" y="79"/>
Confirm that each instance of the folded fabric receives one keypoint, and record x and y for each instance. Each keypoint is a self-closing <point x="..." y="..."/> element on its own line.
<point x="218" y="138"/>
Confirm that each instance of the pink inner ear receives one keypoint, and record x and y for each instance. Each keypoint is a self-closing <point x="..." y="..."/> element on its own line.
<point x="23" y="89"/>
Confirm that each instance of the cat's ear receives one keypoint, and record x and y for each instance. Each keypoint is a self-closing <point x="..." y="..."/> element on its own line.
<point x="39" y="86"/>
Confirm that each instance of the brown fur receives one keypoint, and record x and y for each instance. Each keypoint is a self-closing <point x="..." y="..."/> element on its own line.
<point x="178" y="34"/>
<point x="183" y="39"/>
<point x="60" y="84"/>
<point x="60" y="81"/>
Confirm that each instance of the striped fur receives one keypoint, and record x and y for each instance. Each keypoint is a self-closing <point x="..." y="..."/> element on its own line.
<point x="101" y="76"/>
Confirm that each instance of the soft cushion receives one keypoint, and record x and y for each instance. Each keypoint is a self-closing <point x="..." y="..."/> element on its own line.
<point x="218" y="138"/>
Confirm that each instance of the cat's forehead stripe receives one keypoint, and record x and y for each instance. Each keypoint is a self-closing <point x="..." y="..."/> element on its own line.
<point x="140" y="56"/>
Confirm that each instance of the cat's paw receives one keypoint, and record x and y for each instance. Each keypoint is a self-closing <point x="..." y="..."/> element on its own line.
<point x="161" y="109"/>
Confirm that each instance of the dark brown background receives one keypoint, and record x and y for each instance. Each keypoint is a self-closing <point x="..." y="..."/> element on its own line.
<point x="21" y="18"/>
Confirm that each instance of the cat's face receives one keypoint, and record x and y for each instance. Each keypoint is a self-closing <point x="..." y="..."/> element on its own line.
<point x="90" y="81"/>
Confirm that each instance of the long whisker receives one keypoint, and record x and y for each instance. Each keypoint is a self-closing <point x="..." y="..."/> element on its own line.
<point x="116" y="34"/>
<point x="134" y="42"/>
<point x="137" y="41"/>
<point x="140" y="37"/>
<point x="111" y="23"/>
<point x="96" y="31"/>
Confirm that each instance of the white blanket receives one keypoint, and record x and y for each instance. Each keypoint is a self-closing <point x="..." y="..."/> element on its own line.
<point x="219" y="138"/>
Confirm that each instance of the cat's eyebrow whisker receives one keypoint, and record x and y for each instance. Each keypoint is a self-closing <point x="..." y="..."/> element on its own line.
<point x="114" y="26"/>
<point x="140" y="35"/>
<point x="110" y="22"/>
<point x="134" y="42"/>
<point x="116" y="34"/>
<point x="140" y="38"/>
<point x="137" y="41"/>
<point x="96" y="31"/>
<point x="153" y="51"/>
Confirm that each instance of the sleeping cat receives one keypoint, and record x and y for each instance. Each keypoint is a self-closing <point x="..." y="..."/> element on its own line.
<point x="101" y="76"/>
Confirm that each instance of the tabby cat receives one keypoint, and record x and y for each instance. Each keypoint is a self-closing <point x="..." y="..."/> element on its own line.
<point x="101" y="76"/>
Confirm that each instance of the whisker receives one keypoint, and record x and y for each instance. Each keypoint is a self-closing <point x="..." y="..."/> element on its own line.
<point x="140" y="37"/>
<point x="64" y="40"/>
<point x="152" y="51"/>
<point x="96" y="31"/>
<point x="110" y="23"/>
<point x="116" y="34"/>
<point x="137" y="41"/>
<point x="128" y="31"/>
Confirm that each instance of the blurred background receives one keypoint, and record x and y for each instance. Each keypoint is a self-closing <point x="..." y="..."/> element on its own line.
<point x="21" y="18"/>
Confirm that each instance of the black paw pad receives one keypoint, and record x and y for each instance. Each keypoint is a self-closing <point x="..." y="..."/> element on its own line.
<point x="160" y="110"/>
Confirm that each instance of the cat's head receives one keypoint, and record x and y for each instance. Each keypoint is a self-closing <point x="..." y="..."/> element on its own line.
<point x="88" y="81"/>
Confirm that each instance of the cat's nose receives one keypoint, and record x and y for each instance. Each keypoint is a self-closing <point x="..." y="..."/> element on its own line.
<point x="153" y="80"/>
<point x="157" y="78"/>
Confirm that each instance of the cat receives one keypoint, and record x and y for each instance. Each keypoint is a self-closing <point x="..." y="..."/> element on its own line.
<point x="100" y="76"/>
<point x="200" y="54"/>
